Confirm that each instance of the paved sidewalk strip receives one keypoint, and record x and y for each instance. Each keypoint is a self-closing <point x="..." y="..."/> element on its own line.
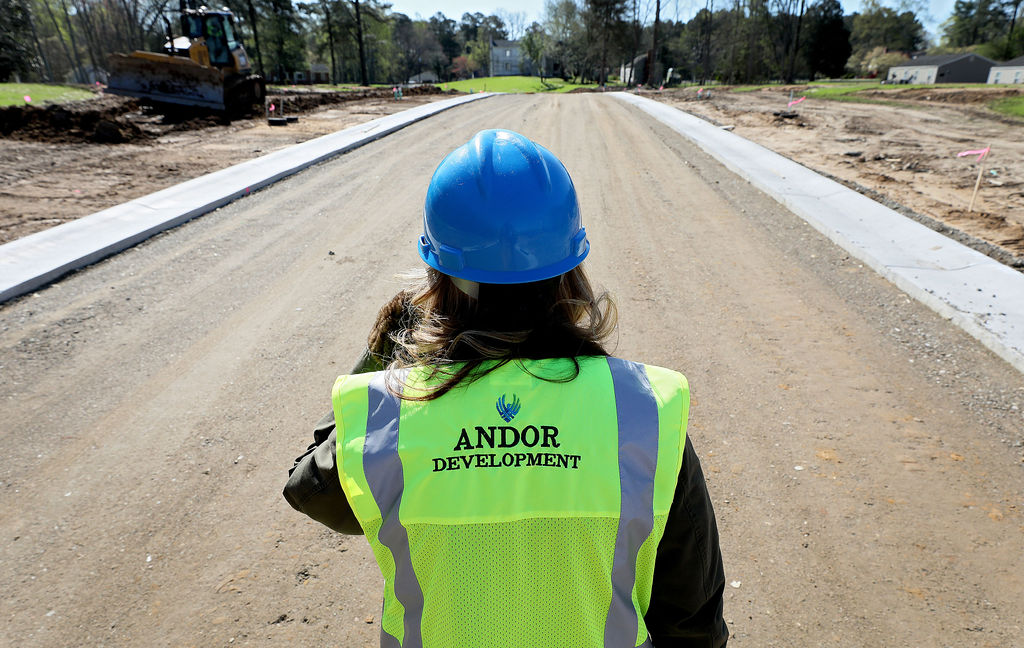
<point x="35" y="260"/>
<point x="977" y="293"/>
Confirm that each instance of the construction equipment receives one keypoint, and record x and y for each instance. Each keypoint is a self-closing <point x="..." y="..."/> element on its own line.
<point x="207" y="67"/>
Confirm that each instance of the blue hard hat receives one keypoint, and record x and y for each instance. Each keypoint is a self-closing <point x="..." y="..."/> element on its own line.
<point x="502" y="209"/>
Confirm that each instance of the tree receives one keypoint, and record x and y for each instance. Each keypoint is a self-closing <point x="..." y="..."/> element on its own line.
<point x="417" y="46"/>
<point x="974" y="22"/>
<point x="655" y="77"/>
<point x="464" y="67"/>
<point x="479" y="52"/>
<point x="605" y="25"/>
<point x="362" y="20"/>
<point x="828" y="40"/>
<point x="514" y="22"/>
<point x="326" y="35"/>
<point x="445" y="32"/>
<point x="15" y="33"/>
<point x="878" y="26"/>
<point x="534" y="45"/>
<point x="564" y="25"/>
<point x="469" y="25"/>
<point x="255" y="36"/>
<point x="876" y="62"/>
<point x="288" y="52"/>
<point x="787" y="23"/>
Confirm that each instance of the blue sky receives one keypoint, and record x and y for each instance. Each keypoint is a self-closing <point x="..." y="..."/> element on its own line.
<point x="939" y="10"/>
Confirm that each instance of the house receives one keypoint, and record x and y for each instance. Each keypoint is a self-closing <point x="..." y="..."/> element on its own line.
<point x="1009" y="72"/>
<point x="509" y="59"/>
<point x="506" y="58"/>
<point x="942" y="68"/>
<point x="424" y="77"/>
<point x="634" y="72"/>
<point x="319" y="73"/>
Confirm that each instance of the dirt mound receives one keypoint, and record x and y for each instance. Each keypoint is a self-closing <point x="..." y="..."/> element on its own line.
<point x="93" y="120"/>
<point x="298" y="99"/>
<point x="114" y="120"/>
<point x="946" y="95"/>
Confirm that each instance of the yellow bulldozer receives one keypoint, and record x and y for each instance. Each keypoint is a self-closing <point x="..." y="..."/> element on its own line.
<point x="206" y="67"/>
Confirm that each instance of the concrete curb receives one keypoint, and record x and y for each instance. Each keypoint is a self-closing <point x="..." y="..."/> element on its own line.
<point x="980" y="295"/>
<point x="38" y="259"/>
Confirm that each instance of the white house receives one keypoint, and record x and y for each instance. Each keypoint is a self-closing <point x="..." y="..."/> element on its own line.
<point x="428" y="76"/>
<point x="1009" y="72"/>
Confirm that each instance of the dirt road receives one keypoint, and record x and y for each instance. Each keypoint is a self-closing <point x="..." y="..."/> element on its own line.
<point x="864" y="456"/>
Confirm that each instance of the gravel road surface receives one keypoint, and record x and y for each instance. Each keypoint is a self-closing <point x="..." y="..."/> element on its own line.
<point x="864" y="455"/>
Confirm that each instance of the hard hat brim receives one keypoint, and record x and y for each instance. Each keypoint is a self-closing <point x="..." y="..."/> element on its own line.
<point x="431" y="258"/>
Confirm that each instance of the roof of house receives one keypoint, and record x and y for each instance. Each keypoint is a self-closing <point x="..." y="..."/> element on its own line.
<point x="1017" y="62"/>
<point x="504" y="43"/>
<point x="940" y="59"/>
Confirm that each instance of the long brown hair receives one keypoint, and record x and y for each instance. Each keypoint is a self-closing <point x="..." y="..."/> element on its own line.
<point x="462" y="338"/>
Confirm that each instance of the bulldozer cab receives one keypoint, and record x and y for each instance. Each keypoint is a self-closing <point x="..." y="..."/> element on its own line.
<point x="217" y="31"/>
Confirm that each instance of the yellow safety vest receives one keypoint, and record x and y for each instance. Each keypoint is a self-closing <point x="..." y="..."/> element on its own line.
<point x="515" y="511"/>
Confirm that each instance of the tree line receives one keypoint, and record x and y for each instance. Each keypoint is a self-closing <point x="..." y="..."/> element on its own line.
<point x="364" y="41"/>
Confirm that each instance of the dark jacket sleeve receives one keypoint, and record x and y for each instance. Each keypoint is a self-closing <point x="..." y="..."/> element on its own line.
<point x="313" y="486"/>
<point x="689" y="580"/>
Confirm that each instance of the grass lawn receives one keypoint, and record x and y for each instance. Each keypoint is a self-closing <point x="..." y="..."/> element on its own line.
<point x="1013" y="106"/>
<point x="512" y="84"/>
<point x="13" y="94"/>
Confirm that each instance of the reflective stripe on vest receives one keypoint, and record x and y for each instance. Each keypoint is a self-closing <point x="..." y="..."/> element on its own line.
<point x="637" y="414"/>
<point x="638" y="438"/>
<point x="383" y="469"/>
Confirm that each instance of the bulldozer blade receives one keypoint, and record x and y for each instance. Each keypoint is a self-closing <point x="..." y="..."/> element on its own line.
<point x="167" y="79"/>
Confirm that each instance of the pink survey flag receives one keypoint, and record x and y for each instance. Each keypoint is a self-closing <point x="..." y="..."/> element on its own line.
<point x="27" y="99"/>
<point x="980" y="153"/>
<point x="795" y="102"/>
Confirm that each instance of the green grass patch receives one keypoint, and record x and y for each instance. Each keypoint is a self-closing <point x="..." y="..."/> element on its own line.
<point x="514" y="84"/>
<point x="1013" y="106"/>
<point x="13" y="94"/>
<point x="849" y="92"/>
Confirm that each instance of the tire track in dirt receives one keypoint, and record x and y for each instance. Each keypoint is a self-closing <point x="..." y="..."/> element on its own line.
<point x="153" y="402"/>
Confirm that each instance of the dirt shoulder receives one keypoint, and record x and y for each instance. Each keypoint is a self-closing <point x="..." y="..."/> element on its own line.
<point x="902" y="153"/>
<point x="59" y="163"/>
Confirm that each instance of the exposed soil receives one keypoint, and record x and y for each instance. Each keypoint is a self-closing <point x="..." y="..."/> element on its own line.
<point x="904" y="155"/>
<point x="62" y="162"/>
<point x="865" y="457"/>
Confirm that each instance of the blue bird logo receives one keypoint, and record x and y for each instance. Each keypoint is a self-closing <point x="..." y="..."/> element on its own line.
<point x="508" y="411"/>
